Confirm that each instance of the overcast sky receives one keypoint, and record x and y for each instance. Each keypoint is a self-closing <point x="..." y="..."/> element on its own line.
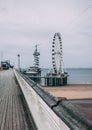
<point x="25" y="23"/>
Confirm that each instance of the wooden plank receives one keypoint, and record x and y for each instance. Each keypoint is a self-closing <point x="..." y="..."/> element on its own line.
<point x="23" y="122"/>
<point x="10" y="113"/>
<point x="13" y="114"/>
<point x="1" y="111"/>
<point x="4" y="114"/>
<point x="7" y="117"/>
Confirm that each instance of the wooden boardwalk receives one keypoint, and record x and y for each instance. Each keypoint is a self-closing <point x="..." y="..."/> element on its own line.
<point x="13" y="115"/>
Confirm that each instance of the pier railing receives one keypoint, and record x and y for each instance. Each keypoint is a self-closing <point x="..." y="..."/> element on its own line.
<point x="48" y="112"/>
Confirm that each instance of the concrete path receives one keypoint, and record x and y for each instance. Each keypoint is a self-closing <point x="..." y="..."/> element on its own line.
<point x="13" y="114"/>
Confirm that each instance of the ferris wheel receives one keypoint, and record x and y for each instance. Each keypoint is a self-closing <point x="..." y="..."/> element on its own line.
<point x="57" y="53"/>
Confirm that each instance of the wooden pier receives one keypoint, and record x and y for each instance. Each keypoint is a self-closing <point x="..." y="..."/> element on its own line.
<point x="50" y="80"/>
<point x="13" y="114"/>
<point x="25" y="105"/>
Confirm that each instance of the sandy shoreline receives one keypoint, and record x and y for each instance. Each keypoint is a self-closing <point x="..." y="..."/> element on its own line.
<point x="74" y="91"/>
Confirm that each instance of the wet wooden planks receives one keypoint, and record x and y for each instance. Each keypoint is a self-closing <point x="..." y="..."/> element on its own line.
<point x="12" y="112"/>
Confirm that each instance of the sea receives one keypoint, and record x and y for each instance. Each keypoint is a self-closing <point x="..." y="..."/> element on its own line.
<point x="76" y="75"/>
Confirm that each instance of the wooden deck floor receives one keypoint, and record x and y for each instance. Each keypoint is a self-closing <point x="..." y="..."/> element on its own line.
<point x="12" y="112"/>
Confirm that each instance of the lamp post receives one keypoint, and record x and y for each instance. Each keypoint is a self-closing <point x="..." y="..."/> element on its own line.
<point x="18" y="62"/>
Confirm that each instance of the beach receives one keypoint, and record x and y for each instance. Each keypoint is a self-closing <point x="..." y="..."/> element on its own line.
<point x="71" y="92"/>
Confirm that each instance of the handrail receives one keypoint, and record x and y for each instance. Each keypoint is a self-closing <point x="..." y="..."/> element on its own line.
<point x="49" y="112"/>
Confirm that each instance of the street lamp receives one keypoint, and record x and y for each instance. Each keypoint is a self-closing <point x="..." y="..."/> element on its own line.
<point x="18" y="62"/>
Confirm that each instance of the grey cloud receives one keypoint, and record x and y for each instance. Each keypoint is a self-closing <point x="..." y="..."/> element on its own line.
<point x="26" y="23"/>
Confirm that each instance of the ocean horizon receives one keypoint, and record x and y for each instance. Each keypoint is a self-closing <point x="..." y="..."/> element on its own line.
<point x="76" y="75"/>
